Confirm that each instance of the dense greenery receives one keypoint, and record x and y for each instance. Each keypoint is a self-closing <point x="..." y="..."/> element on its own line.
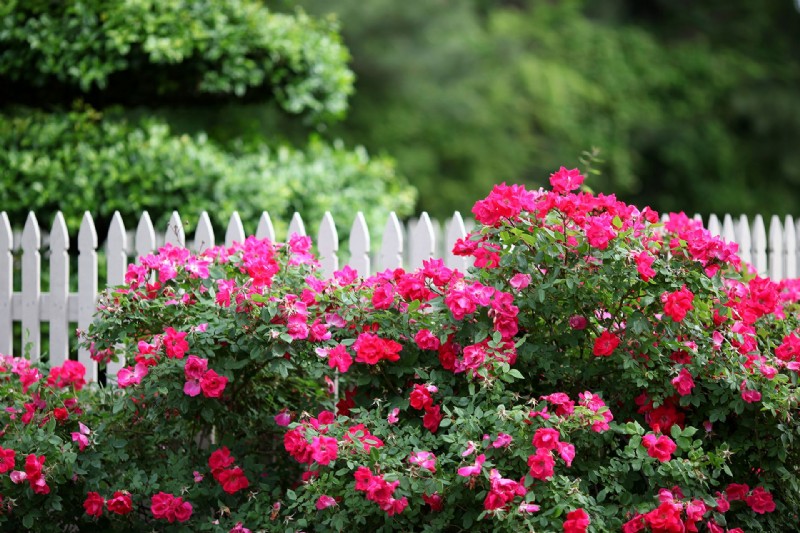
<point x="66" y="141"/>
<point x="691" y="103"/>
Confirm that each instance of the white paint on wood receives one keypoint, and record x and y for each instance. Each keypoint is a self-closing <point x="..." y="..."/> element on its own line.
<point x="6" y="285"/>
<point x="391" y="254"/>
<point x="59" y="291"/>
<point x="296" y="227"/>
<point x="698" y="217"/>
<point x="775" y="248"/>
<point x="744" y="239"/>
<point x="235" y="231"/>
<point x="789" y="248"/>
<point x="328" y="245"/>
<point x="117" y="265"/>
<point x="714" y="226"/>
<point x="145" y="237"/>
<point x="454" y="230"/>
<point x="728" y="229"/>
<point x="175" y="234"/>
<point x="423" y="242"/>
<point x="87" y="287"/>
<point x="31" y="288"/>
<point x="203" y="234"/>
<point x="360" y="245"/>
<point x="759" y="249"/>
<point x="265" y="230"/>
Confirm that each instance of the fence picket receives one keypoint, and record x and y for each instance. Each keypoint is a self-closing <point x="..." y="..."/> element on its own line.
<point x="87" y="287"/>
<point x="265" y="229"/>
<point x="116" y="266"/>
<point x="714" y="226"/>
<point x="204" y="233"/>
<point x="759" y="249"/>
<point x="391" y="254"/>
<point x="145" y="236"/>
<point x="296" y="226"/>
<point x="6" y="285"/>
<point x="235" y="231"/>
<point x="745" y="240"/>
<point x="454" y="230"/>
<point x="59" y="291"/>
<point x="789" y="249"/>
<point x="31" y="288"/>
<point x="359" y="246"/>
<point x="328" y="245"/>
<point x="775" y="248"/>
<point x="728" y="229"/>
<point x="423" y="242"/>
<point x="175" y="234"/>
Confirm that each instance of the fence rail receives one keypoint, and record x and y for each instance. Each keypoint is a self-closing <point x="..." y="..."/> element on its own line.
<point x="774" y="253"/>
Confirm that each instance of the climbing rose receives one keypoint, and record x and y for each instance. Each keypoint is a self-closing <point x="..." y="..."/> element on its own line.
<point x="213" y="384"/>
<point x="660" y="448"/>
<point x="760" y="501"/>
<point x="678" y="303"/>
<point x="324" y="501"/>
<point x="7" y="459"/>
<point x="564" y="181"/>
<point x="605" y="344"/>
<point x="94" y="504"/>
<point x="120" y="503"/>
<point x="432" y="418"/>
<point x="683" y="382"/>
<point x="577" y="521"/>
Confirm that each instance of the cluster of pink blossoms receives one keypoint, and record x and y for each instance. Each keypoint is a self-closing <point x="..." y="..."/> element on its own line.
<point x="120" y="503"/>
<point x="674" y="514"/>
<point x="422" y="400"/>
<point x="200" y="379"/>
<point x="33" y="473"/>
<point x="168" y="507"/>
<point x="232" y="479"/>
<point x="542" y="463"/>
<point x="380" y="491"/>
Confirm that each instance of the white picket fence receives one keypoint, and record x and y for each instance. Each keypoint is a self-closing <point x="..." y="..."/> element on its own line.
<point x="776" y="255"/>
<point x="400" y="246"/>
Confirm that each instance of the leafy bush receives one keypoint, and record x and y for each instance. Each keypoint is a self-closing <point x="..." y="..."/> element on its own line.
<point x="171" y="52"/>
<point x="594" y="371"/>
<point x="84" y="160"/>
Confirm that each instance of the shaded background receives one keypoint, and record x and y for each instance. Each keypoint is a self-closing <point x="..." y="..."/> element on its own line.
<point x="222" y="105"/>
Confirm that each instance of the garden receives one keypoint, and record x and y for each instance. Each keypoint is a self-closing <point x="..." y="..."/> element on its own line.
<point x="596" y="369"/>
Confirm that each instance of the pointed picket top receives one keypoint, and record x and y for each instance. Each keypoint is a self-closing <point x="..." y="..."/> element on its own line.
<point x="203" y="234"/>
<point x="265" y="228"/>
<point x="59" y="291"/>
<point x="775" y="248"/>
<point x="31" y="286"/>
<point x="116" y="250"/>
<point x="391" y="253"/>
<point x="744" y="239"/>
<point x="175" y="234"/>
<point x="87" y="287"/>
<point x="360" y="245"/>
<point x="235" y="231"/>
<point x="453" y="230"/>
<point x="728" y="229"/>
<point x="145" y="236"/>
<point x="328" y="245"/>
<point x="6" y="284"/>
<point x="422" y="242"/>
<point x="713" y="225"/>
<point x="296" y="226"/>
<point x="789" y="248"/>
<point x="759" y="249"/>
<point x="698" y="217"/>
<point x="59" y="237"/>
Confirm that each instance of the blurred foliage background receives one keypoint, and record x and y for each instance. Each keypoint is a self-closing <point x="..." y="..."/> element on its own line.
<point x="252" y="105"/>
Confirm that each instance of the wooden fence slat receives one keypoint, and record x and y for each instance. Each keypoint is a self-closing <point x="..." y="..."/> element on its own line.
<point x="145" y="236"/>
<point x="744" y="239"/>
<point x="203" y="234"/>
<point x="759" y="249"/>
<point x="454" y="230"/>
<point x="265" y="230"/>
<point x="391" y="253"/>
<point x="31" y="288"/>
<point x="116" y="267"/>
<point x="714" y="226"/>
<point x="789" y="248"/>
<point x="6" y="285"/>
<point x="175" y="234"/>
<point x="87" y="287"/>
<point x="296" y="226"/>
<point x="360" y="245"/>
<point x="59" y="291"/>
<point x="775" y="248"/>
<point x="235" y="231"/>
<point x="728" y="229"/>
<point x="328" y="245"/>
<point x="423" y="242"/>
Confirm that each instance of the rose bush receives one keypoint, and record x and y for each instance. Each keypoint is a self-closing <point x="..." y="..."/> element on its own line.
<point x="595" y="370"/>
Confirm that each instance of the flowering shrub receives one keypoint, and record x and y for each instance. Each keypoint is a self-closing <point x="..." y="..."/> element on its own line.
<point x="596" y="370"/>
